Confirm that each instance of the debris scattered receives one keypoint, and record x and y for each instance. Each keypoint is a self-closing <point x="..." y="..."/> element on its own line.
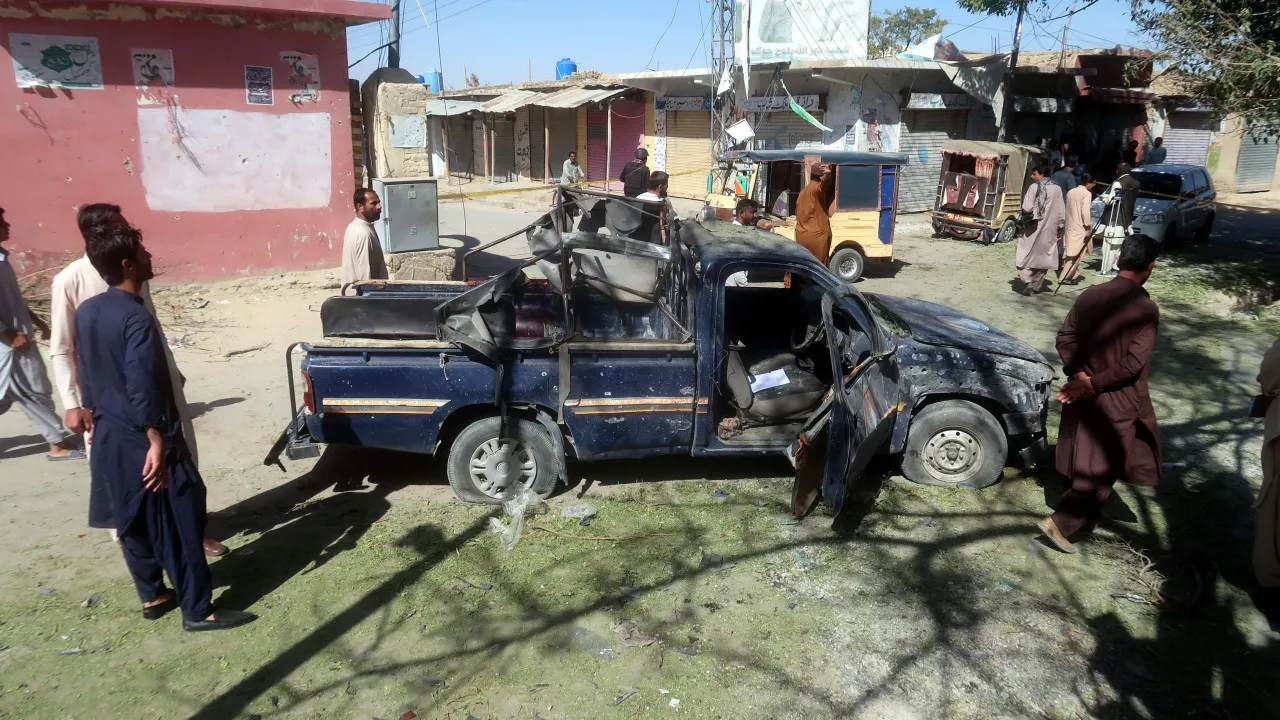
<point x="710" y="560"/>
<point x="805" y="560"/>
<point x="197" y="302"/>
<point x="72" y="651"/>
<point x="928" y="522"/>
<point x="674" y="702"/>
<point x="246" y="351"/>
<point x="621" y="698"/>
<point x="482" y="586"/>
<point x="90" y="601"/>
<point x="719" y="494"/>
<point x="689" y="651"/>
<point x="592" y="644"/>
<point x="47" y="591"/>
<point x="521" y="502"/>
<point x="663" y="691"/>
<point x="425" y="680"/>
<point x="1131" y="597"/>
<point x="585" y="512"/>
<point x="275" y="701"/>
<point x="630" y="591"/>
<point x="407" y="713"/>
<point x="177" y="342"/>
<point x="631" y="635"/>
<point x="604" y="538"/>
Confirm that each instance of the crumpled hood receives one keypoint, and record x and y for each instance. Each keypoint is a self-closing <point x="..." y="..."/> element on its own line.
<point x="934" y="324"/>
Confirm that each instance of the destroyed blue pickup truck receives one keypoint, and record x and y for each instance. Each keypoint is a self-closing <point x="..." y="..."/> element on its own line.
<point x="647" y="335"/>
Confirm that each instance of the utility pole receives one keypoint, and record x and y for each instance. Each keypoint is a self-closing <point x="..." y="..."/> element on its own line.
<point x="722" y="49"/>
<point x="393" y="36"/>
<point x="1006" y="109"/>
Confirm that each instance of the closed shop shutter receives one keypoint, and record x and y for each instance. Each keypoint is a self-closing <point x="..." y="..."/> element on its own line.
<point x="1256" y="168"/>
<point x="923" y="132"/>
<point x="461" y="146"/>
<point x="597" y="142"/>
<point x="688" y="152"/>
<point x="628" y="134"/>
<point x="786" y="131"/>
<point x="1187" y="136"/>
<point x="538" y="161"/>
<point x="564" y="137"/>
<point x="504" y="149"/>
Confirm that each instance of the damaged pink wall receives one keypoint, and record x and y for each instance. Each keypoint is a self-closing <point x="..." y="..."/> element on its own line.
<point x="220" y="187"/>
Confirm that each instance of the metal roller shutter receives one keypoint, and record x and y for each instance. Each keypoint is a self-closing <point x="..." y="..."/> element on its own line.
<point x="461" y="146"/>
<point x="1186" y="138"/>
<point x="923" y="132"/>
<point x="688" y="152"/>
<point x="504" y="149"/>
<point x="597" y="141"/>
<point x="786" y="131"/>
<point x="538" y="160"/>
<point x="1256" y="168"/>
<point x="628" y="134"/>
<point x="564" y="137"/>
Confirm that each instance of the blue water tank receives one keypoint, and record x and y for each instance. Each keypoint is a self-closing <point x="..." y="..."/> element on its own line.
<point x="565" y="68"/>
<point x="432" y="79"/>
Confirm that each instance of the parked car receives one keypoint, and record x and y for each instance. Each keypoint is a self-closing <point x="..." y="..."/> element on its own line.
<point x="1176" y="202"/>
<point x="639" y="343"/>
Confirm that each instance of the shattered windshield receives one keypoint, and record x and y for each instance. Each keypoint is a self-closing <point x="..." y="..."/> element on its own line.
<point x="888" y="319"/>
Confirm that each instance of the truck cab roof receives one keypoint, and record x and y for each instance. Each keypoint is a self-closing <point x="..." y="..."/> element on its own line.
<point x="716" y="242"/>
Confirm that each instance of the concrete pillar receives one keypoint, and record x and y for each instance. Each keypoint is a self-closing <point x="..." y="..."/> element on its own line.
<point x="524" y="146"/>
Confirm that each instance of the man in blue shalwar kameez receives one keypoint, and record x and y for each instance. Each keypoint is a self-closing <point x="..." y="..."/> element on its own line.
<point x="139" y="453"/>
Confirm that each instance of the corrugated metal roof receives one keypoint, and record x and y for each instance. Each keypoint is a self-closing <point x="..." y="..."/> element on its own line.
<point x="577" y="96"/>
<point x="510" y="101"/>
<point x="452" y="107"/>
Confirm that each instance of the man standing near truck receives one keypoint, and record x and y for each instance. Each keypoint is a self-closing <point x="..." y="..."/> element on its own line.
<point x="362" y="257"/>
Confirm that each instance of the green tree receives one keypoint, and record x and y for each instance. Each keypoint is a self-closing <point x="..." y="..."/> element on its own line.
<point x="892" y="32"/>
<point x="1229" y="50"/>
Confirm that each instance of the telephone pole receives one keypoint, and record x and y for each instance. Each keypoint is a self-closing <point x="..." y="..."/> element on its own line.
<point x="722" y="61"/>
<point x="393" y="36"/>
<point x="1007" y="105"/>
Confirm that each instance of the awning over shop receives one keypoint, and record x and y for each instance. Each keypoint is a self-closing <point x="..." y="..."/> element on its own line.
<point x="1123" y="96"/>
<point x="573" y="97"/>
<point x="510" y="101"/>
<point x="441" y="106"/>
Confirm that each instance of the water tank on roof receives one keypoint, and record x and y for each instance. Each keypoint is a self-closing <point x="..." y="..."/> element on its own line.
<point x="565" y="68"/>
<point x="433" y="79"/>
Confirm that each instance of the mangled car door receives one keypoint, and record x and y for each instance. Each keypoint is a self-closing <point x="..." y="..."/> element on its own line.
<point x="855" y="420"/>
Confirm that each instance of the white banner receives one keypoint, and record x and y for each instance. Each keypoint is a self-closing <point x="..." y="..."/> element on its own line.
<point x="56" y="61"/>
<point x="796" y="30"/>
<point x="778" y="103"/>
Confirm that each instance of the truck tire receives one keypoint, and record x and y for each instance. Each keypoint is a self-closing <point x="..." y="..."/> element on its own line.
<point x="955" y="443"/>
<point x="483" y="467"/>
<point x="848" y="264"/>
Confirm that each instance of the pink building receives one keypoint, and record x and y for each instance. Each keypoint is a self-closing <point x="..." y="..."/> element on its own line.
<point x="221" y="127"/>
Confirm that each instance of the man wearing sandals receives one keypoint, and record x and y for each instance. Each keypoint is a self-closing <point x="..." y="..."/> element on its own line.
<point x="23" y="379"/>
<point x="140" y="454"/>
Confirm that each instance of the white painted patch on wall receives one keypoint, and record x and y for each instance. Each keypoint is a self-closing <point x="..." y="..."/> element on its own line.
<point x="221" y="160"/>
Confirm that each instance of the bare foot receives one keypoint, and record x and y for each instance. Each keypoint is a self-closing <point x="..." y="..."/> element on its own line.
<point x="165" y="596"/>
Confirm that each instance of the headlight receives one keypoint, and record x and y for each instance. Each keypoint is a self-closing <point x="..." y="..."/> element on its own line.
<point x="1157" y="219"/>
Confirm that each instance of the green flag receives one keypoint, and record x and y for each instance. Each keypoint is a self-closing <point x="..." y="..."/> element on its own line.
<point x="795" y="108"/>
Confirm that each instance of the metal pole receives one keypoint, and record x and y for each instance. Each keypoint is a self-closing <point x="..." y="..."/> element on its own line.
<point x="608" y="146"/>
<point x="393" y="36"/>
<point x="1007" y="108"/>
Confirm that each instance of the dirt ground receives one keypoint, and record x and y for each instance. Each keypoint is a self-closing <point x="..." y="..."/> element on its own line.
<point x="381" y="596"/>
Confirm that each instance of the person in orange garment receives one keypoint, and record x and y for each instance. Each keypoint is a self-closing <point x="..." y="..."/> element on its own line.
<point x="813" y="218"/>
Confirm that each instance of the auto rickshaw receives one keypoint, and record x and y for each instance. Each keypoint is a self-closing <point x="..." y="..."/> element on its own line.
<point x="980" y="188"/>
<point x="863" y="207"/>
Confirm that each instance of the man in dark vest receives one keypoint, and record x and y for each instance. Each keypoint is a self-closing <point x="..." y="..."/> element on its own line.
<point x="635" y="174"/>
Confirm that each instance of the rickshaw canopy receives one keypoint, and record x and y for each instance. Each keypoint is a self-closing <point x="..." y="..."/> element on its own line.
<point x="830" y="157"/>
<point x="1019" y="157"/>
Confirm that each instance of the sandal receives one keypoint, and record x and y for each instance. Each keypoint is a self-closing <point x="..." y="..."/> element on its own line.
<point x="155" y="612"/>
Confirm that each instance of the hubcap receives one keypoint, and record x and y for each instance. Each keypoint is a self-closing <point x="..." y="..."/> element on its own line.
<point x="848" y="267"/>
<point x="953" y="455"/>
<point x="501" y="463"/>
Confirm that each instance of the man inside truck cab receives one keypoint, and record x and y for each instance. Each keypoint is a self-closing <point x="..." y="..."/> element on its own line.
<point x="362" y="257"/>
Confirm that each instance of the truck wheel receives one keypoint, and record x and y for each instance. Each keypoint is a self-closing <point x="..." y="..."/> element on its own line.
<point x="1008" y="232"/>
<point x="955" y="443"/>
<point x="484" y="468"/>
<point x="848" y="264"/>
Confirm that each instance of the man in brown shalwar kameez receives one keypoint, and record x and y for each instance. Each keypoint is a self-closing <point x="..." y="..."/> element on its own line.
<point x="1038" y="243"/>
<point x="1266" y="543"/>
<point x="813" y="218"/>
<point x="1108" y="430"/>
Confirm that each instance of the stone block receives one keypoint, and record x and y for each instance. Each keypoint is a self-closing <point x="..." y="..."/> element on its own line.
<point x="423" y="265"/>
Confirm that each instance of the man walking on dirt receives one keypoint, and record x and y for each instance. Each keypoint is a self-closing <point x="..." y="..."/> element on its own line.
<point x="1075" y="236"/>
<point x="362" y="257"/>
<point x="156" y="494"/>
<point x="73" y="285"/>
<point x="813" y="218"/>
<point x="23" y="379"/>
<point x="1108" y="430"/>
<point x="1037" y="254"/>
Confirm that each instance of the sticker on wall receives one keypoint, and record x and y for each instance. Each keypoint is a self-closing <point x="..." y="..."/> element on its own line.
<point x="257" y="85"/>
<point x="56" y="61"/>
<point x="152" y="68"/>
<point x="304" y="76"/>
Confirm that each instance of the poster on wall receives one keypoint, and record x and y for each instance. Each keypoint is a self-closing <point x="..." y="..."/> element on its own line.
<point x="257" y="85"/>
<point x="56" y="61"/>
<point x="152" y="68"/>
<point x="304" y="76"/>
